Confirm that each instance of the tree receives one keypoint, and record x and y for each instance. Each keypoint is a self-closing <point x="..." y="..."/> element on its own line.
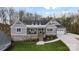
<point x="3" y="13"/>
<point x="21" y="14"/>
<point x="11" y="15"/>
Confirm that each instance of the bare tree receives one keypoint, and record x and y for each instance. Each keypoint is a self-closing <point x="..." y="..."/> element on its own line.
<point x="3" y="12"/>
<point x="11" y="12"/>
<point x="37" y="17"/>
<point x="21" y="14"/>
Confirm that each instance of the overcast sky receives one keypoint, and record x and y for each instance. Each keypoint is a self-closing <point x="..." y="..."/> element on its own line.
<point x="48" y="11"/>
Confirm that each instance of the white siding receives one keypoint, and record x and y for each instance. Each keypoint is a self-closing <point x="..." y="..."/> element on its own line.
<point x="53" y="32"/>
<point x="14" y="31"/>
<point x="18" y="35"/>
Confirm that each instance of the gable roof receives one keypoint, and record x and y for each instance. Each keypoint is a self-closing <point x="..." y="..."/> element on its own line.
<point x="18" y="22"/>
<point x="53" y="22"/>
<point x="42" y="21"/>
<point x="59" y="26"/>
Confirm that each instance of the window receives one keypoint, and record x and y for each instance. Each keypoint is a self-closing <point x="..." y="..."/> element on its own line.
<point x="49" y="29"/>
<point x="18" y="29"/>
<point x="31" y="31"/>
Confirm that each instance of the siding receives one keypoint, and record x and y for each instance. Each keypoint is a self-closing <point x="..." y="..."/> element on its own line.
<point x="53" y="32"/>
<point x="17" y="36"/>
<point x="14" y="31"/>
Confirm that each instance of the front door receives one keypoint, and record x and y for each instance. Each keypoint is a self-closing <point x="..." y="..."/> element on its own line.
<point x="41" y="33"/>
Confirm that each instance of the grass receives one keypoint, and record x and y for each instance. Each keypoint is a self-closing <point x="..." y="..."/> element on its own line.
<point x="31" y="46"/>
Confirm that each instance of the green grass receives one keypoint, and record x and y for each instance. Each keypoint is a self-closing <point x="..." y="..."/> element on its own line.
<point x="31" y="46"/>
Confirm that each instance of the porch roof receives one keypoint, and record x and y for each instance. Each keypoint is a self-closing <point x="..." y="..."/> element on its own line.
<point x="36" y="26"/>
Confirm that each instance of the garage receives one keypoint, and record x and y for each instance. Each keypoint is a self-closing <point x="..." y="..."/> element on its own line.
<point x="61" y="30"/>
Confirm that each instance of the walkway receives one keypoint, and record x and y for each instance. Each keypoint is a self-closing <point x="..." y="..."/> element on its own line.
<point x="44" y="42"/>
<point x="52" y="41"/>
<point x="70" y="41"/>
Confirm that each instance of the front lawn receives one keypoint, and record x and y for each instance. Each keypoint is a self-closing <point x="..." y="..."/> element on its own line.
<point x="31" y="46"/>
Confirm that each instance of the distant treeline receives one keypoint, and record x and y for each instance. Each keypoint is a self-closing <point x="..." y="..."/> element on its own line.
<point x="71" y="23"/>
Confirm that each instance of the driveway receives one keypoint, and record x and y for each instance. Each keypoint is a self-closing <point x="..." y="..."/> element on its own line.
<point x="70" y="41"/>
<point x="73" y="35"/>
<point x="5" y="41"/>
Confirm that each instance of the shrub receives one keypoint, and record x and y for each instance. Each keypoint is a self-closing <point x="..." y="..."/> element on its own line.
<point x="50" y="37"/>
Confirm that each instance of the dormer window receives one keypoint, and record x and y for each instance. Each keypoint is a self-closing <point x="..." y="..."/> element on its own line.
<point x="49" y="29"/>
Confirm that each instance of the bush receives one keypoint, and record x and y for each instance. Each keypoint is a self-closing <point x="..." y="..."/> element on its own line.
<point x="51" y="37"/>
<point x="31" y="40"/>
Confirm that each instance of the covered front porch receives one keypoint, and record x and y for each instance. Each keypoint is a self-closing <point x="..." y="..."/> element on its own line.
<point x="38" y="31"/>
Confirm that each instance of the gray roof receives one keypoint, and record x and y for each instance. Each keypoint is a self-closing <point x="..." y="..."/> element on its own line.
<point x="4" y="40"/>
<point x="59" y="26"/>
<point x="42" y="21"/>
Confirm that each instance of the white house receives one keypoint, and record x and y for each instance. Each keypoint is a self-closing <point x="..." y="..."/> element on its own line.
<point x="32" y="29"/>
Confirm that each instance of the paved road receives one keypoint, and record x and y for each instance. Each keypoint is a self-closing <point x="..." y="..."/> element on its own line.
<point x="70" y="41"/>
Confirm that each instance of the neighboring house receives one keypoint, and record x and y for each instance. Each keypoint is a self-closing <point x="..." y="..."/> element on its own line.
<point x="32" y="29"/>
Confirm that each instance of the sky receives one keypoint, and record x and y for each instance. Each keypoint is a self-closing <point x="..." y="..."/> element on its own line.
<point x="48" y="11"/>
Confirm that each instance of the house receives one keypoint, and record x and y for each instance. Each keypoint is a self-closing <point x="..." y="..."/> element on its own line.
<point x="33" y="29"/>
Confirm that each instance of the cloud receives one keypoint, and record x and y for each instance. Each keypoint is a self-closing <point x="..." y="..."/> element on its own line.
<point x="50" y="7"/>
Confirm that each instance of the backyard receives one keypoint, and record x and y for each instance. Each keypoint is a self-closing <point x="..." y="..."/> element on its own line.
<point x="31" y="46"/>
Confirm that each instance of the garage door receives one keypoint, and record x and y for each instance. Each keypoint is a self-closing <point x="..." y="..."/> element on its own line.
<point x="60" y="32"/>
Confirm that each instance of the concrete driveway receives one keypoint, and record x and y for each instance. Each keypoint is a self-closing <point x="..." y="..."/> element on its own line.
<point x="5" y="41"/>
<point x="70" y="41"/>
<point x="73" y="35"/>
